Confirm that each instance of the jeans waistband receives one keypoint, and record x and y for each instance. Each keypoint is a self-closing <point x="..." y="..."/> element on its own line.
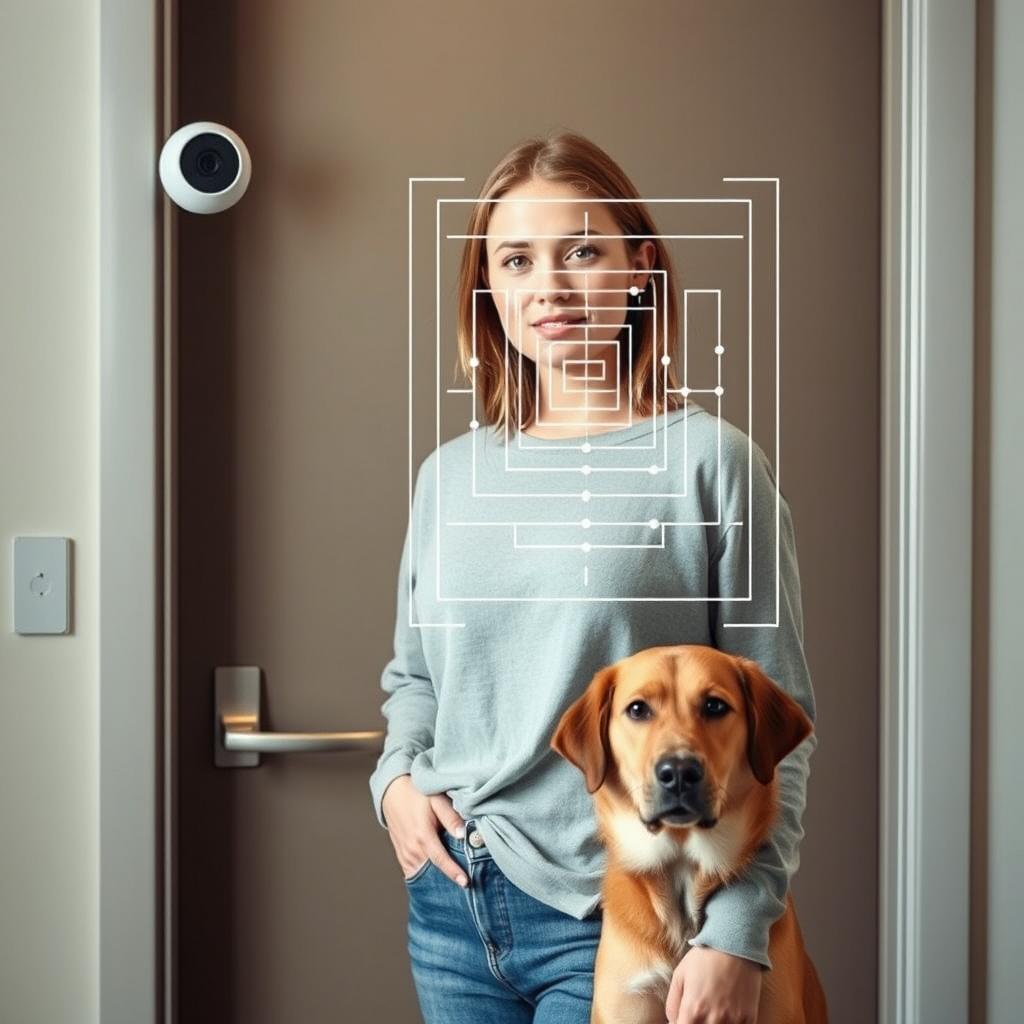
<point x="465" y="846"/>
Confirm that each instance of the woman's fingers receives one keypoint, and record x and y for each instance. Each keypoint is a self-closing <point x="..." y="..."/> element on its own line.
<point x="407" y="872"/>
<point x="443" y="814"/>
<point x="447" y="815"/>
<point x="451" y="821"/>
<point x="438" y="853"/>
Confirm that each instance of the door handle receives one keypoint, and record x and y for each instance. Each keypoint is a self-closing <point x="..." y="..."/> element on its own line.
<point x="238" y="740"/>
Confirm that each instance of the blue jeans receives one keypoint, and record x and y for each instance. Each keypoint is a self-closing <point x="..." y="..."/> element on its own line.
<point x="490" y="953"/>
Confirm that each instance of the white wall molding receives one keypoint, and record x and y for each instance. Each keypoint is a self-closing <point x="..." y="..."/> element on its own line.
<point x="130" y="523"/>
<point x="927" y="401"/>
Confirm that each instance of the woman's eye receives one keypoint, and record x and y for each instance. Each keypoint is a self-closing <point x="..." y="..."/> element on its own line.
<point x="714" y="707"/>
<point x="589" y="249"/>
<point x="638" y="710"/>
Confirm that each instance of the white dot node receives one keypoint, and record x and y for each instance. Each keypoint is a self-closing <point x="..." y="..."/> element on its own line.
<point x="473" y="424"/>
<point x="585" y="546"/>
<point x="653" y="524"/>
<point x="585" y="470"/>
<point x="586" y="524"/>
<point x="685" y="390"/>
<point x="585" y="447"/>
<point x="665" y="360"/>
<point x="585" y="495"/>
<point x="719" y="349"/>
<point x="652" y="470"/>
<point x="473" y="361"/>
<point x="719" y="391"/>
<point x="633" y="290"/>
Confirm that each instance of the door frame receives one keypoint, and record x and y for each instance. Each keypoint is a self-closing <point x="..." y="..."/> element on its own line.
<point x="925" y="513"/>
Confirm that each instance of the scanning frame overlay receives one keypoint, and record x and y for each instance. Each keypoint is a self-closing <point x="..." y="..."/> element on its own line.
<point x="659" y="448"/>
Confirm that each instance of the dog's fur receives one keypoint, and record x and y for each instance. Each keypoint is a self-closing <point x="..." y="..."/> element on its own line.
<point x="659" y="873"/>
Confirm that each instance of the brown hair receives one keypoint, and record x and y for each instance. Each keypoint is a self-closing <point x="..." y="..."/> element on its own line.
<point x="567" y="157"/>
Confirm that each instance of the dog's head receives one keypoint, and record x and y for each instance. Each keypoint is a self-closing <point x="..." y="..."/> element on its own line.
<point x="677" y="730"/>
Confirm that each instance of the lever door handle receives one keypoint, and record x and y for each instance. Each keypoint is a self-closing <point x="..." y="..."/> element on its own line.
<point x="240" y="733"/>
<point x="238" y="739"/>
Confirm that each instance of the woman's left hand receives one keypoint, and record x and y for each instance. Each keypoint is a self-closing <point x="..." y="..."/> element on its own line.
<point x="711" y="987"/>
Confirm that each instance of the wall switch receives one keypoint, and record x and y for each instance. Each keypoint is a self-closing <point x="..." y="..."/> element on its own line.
<point x="41" y="590"/>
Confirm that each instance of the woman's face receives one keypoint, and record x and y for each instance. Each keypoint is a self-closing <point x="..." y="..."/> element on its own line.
<point x="583" y="281"/>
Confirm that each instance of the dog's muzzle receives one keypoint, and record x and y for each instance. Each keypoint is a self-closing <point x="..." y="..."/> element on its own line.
<point x="680" y="792"/>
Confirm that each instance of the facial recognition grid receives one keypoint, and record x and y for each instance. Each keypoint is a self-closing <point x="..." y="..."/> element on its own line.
<point x="524" y="458"/>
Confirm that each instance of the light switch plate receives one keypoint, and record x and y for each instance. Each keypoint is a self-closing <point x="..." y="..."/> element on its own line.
<point x="41" y="576"/>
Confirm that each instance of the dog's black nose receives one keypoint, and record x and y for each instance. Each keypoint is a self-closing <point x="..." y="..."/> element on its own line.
<point x="678" y="774"/>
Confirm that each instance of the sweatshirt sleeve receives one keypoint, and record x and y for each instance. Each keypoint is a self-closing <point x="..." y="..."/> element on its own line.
<point x="740" y="914"/>
<point x="411" y="705"/>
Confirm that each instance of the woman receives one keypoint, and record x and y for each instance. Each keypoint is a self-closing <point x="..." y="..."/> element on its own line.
<point x="606" y="512"/>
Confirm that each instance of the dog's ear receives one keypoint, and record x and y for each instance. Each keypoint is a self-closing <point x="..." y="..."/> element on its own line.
<point x="582" y="733"/>
<point x="776" y="723"/>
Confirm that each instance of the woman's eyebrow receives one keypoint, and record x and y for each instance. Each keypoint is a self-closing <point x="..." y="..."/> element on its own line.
<point x="529" y="245"/>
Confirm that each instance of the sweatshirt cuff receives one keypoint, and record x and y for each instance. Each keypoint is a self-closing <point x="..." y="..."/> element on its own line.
<point x="396" y="762"/>
<point x="738" y="918"/>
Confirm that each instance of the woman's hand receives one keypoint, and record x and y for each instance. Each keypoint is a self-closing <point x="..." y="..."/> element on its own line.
<point x="711" y="987"/>
<point x="413" y="820"/>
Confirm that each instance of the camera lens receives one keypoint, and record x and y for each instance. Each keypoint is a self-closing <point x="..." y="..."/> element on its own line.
<point x="209" y="162"/>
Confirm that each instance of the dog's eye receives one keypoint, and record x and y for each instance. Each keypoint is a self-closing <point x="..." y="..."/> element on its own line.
<point x="715" y="707"/>
<point x="638" y="710"/>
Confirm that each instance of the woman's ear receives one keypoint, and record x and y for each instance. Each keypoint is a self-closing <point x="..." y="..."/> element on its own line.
<point x="646" y="255"/>
<point x="776" y="724"/>
<point x="582" y="733"/>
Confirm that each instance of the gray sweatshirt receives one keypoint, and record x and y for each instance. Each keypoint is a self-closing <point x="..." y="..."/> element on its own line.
<point x="526" y="568"/>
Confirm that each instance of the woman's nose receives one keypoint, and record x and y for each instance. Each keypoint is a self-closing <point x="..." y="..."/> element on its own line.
<point x="556" y="284"/>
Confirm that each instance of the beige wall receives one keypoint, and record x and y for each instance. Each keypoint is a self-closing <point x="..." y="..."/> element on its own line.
<point x="49" y="54"/>
<point x="48" y="485"/>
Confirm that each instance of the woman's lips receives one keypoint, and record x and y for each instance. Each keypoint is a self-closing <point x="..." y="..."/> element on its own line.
<point x="554" y="329"/>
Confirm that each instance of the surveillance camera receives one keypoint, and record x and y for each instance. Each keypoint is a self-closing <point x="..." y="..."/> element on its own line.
<point x="205" y="167"/>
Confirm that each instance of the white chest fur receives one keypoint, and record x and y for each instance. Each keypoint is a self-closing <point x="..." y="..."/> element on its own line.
<point x="716" y="850"/>
<point x="712" y="851"/>
<point x="707" y="851"/>
<point x="657" y="979"/>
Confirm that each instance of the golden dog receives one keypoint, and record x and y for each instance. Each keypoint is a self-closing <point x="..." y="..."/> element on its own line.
<point x="679" y="746"/>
